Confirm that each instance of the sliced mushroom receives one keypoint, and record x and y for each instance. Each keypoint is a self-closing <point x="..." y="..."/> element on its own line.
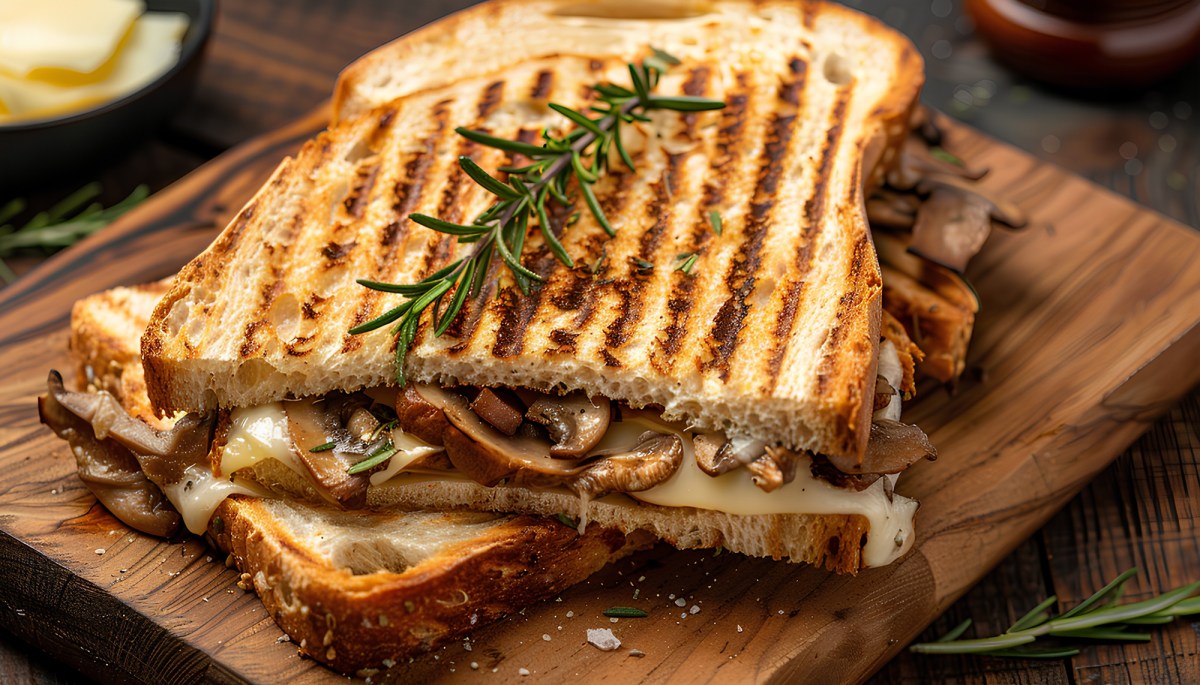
<point x="109" y="470"/>
<point x="576" y="423"/>
<point x="163" y="455"/>
<point x="1000" y="209"/>
<point x="951" y="228"/>
<point x="713" y="455"/>
<point x="822" y="470"/>
<point x="774" y="469"/>
<point x="892" y="447"/>
<point x="417" y="416"/>
<point x="486" y="455"/>
<point x="315" y="422"/>
<point x="886" y="210"/>
<point x="925" y="159"/>
<point x="501" y="409"/>
<point x="652" y="461"/>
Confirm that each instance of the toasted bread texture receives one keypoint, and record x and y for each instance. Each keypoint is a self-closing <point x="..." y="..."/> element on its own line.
<point x="773" y="333"/>
<point x="105" y="349"/>
<point x="360" y="590"/>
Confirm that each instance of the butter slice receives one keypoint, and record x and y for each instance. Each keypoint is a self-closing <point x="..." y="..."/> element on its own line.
<point x="150" y="49"/>
<point x="79" y="35"/>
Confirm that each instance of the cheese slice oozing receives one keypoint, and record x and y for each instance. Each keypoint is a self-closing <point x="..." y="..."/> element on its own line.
<point x="261" y="433"/>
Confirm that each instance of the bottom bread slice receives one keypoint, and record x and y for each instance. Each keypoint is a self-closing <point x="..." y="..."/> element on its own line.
<point x="834" y="541"/>
<point x="361" y="590"/>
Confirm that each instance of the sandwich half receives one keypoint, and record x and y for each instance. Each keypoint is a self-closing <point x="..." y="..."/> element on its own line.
<point x="768" y="348"/>
<point x="749" y="401"/>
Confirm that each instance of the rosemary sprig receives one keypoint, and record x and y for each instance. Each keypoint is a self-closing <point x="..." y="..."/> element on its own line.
<point x="64" y="224"/>
<point x="1098" y="617"/>
<point x="581" y="153"/>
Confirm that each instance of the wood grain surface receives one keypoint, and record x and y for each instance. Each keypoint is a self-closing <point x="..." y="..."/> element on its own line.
<point x="1090" y="329"/>
<point x="272" y="60"/>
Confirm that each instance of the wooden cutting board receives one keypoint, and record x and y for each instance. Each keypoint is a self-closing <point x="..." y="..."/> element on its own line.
<point x="1090" y="329"/>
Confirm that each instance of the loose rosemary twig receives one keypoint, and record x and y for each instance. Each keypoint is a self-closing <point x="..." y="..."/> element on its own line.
<point x="64" y="224"/>
<point x="581" y="153"/>
<point x="1098" y="617"/>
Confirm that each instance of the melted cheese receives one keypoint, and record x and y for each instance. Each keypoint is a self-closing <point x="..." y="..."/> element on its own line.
<point x="258" y="433"/>
<point x="734" y="493"/>
<point x="261" y="433"/>
<point x="30" y="90"/>
<point x="199" y="492"/>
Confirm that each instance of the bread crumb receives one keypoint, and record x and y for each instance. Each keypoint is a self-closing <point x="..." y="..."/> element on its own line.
<point x="100" y="551"/>
<point x="681" y="602"/>
<point x="523" y="671"/>
<point x="637" y="653"/>
<point x="570" y="614"/>
<point x="603" y="639"/>
<point x="739" y="627"/>
<point x="474" y="665"/>
<point x="546" y="637"/>
<point x="695" y="609"/>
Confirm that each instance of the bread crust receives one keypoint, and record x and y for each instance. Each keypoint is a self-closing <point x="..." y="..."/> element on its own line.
<point x="362" y="621"/>
<point x="752" y="342"/>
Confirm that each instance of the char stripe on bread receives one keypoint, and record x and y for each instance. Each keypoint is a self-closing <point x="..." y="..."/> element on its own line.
<point x="730" y="349"/>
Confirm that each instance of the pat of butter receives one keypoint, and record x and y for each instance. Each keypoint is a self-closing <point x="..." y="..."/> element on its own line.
<point x="80" y="35"/>
<point x="149" y="50"/>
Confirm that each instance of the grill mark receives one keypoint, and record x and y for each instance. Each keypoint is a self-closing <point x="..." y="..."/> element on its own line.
<point x="249" y="344"/>
<point x="814" y="207"/>
<point x="379" y="132"/>
<point x="631" y="291"/>
<point x="407" y="195"/>
<point x="680" y="301"/>
<point x="359" y="197"/>
<point x="541" y="88"/>
<point x="491" y="97"/>
<point x="565" y="340"/>
<point x="730" y="318"/>
<point x="336" y="252"/>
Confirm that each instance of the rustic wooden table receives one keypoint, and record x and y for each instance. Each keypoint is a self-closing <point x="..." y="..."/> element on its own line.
<point x="271" y="61"/>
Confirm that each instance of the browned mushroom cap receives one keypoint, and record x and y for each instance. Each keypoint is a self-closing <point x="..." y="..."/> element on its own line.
<point x="312" y="422"/>
<point x="892" y="447"/>
<point x="651" y="462"/>
<point x="575" y="422"/>
<point x="713" y="455"/>
<point x="774" y="469"/>
<point x="951" y="228"/>
<point x="1000" y="209"/>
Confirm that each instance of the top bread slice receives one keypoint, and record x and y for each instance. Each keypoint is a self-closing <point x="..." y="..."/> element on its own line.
<point x="774" y="332"/>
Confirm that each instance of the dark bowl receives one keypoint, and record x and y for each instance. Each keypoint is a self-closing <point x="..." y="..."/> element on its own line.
<point x="34" y="152"/>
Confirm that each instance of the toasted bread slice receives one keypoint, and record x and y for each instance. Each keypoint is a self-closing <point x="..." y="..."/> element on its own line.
<point x="106" y="330"/>
<point x="357" y="589"/>
<point x="773" y="334"/>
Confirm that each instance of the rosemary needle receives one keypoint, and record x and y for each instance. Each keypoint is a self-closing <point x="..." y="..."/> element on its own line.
<point x="64" y="224"/>
<point x="499" y="232"/>
<point x="1099" y="617"/>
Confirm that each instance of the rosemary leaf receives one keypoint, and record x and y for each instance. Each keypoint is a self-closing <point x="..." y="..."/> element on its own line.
<point x="1096" y="618"/>
<point x="517" y="146"/>
<point x="489" y="182"/>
